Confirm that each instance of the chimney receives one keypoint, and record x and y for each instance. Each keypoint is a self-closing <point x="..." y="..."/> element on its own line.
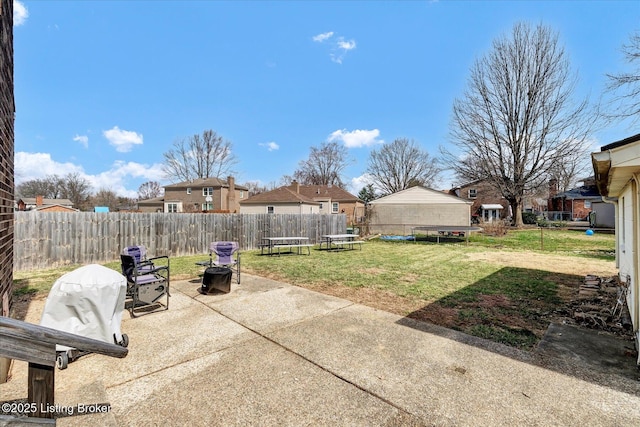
<point x="553" y="187"/>
<point x="39" y="201"/>
<point x="296" y="186"/>
<point x="231" y="195"/>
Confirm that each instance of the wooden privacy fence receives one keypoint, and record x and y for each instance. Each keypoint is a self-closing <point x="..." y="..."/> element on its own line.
<point x="51" y="239"/>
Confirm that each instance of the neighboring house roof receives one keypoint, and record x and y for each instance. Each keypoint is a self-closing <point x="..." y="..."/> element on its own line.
<point x="324" y="192"/>
<point x="585" y="192"/>
<point x="420" y="195"/>
<point x="279" y="195"/>
<point x="32" y="201"/>
<point x="57" y="207"/>
<point x="467" y="184"/>
<point x="154" y="201"/>
<point x="204" y="182"/>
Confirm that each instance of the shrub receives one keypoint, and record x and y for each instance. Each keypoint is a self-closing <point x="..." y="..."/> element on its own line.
<point x="529" y="217"/>
<point x="495" y="228"/>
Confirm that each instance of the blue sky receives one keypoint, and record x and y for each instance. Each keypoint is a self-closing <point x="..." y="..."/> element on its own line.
<point x="103" y="88"/>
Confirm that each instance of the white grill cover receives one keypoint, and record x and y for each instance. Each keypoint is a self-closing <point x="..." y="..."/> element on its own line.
<point x="88" y="301"/>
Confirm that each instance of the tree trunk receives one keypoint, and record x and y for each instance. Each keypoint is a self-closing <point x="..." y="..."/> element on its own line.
<point x="516" y="211"/>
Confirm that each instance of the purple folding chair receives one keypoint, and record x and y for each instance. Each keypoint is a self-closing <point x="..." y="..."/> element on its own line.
<point x="145" y="288"/>
<point x="139" y="254"/>
<point x="225" y="254"/>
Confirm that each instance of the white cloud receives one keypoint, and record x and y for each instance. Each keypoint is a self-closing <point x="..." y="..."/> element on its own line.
<point x="20" y="13"/>
<point x="338" y="46"/>
<point x="30" y="166"/>
<point x="341" y="48"/>
<point x="121" y="173"/>
<point x="322" y="37"/>
<point x="271" y="146"/>
<point x="123" y="140"/>
<point x="346" y="45"/>
<point x="82" y="139"/>
<point x="356" y="138"/>
<point x="359" y="182"/>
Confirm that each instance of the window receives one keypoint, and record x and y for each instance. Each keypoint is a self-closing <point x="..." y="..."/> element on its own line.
<point x="207" y="206"/>
<point x="241" y="194"/>
<point x="189" y="190"/>
<point x="334" y="207"/>
<point x="587" y="204"/>
<point x="172" y="207"/>
<point x="207" y="191"/>
<point x="269" y="209"/>
<point x="321" y="205"/>
<point x="473" y="193"/>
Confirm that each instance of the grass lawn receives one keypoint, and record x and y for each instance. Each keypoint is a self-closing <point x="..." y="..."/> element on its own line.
<point x="500" y="288"/>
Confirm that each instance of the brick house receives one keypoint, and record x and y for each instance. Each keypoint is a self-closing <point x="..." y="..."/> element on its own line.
<point x="487" y="203"/>
<point x="299" y="198"/>
<point x="41" y="204"/>
<point x="7" y="114"/>
<point x="198" y="195"/>
<point x="574" y="204"/>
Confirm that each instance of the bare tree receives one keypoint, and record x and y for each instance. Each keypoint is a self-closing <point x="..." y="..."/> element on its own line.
<point x="48" y="187"/>
<point x="575" y="165"/>
<point x="517" y="120"/>
<point x="324" y="166"/>
<point x="106" y="197"/>
<point x="149" y="190"/>
<point x="77" y="189"/>
<point x="199" y="156"/>
<point x="71" y="186"/>
<point x="625" y="87"/>
<point x="255" y="187"/>
<point x="400" y="165"/>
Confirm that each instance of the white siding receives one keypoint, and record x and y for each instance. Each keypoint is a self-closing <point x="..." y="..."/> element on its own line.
<point x="415" y="206"/>
<point x="628" y="245"/>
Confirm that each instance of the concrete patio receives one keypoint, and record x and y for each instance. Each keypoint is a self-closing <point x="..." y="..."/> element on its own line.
<point x="269" y="353"/>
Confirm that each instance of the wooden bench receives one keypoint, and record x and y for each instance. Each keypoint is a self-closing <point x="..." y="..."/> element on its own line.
<point x="349" y="243"/>
<point x="297" y="245"/>
<point x="37" y="345"/>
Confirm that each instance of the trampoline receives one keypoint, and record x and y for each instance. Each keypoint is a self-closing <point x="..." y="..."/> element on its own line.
<point x="445" y="230"/>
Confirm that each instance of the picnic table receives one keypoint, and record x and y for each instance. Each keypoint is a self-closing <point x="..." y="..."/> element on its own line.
<point x="340" y="241"/>
<point x="274" y="245"/>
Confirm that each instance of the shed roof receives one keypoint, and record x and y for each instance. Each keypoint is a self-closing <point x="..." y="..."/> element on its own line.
<point x="420" y="195"/>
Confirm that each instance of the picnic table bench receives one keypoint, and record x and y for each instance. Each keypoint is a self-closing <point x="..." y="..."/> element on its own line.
<point x="274" y="245"/>
<point x="299" y="246"/>
<point x="340" y="241"/>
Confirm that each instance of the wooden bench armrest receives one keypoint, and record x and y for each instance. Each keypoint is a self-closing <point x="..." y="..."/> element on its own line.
<point x="22" y="332"/>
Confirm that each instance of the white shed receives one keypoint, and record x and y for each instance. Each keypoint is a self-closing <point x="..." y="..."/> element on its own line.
<point x="397" y="213"/>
